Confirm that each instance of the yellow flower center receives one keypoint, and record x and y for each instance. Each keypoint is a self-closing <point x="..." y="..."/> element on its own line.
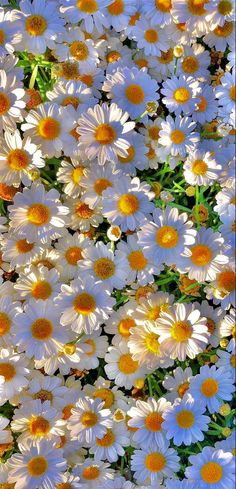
<point x="2" y="39"/>
<point x="91" y="473"/>
<point x="89" y="419"/>
<point x="232" y="93"/>
<point x="151" y="36"/>
<point x="106" y="395"/>
<point x="7" y="485"/>
<point x="83" y="210"/>
<point x="69" y="349"/>
<point x="104" y="268"/>
<point x="166" y="57"/>
<point x="181" y="95"/>
<point x="141" y="63"/>
<point x="116" y="8"/>
<point x="38" y="214"/>
<point x="225" y="7"/>
<point x="211" y="472"/>
<point x="41" y="329"/>
<point x="5" y="323"/>
<point x="79" y="50"/>
<point x="92" y="345"/>
<point x="153" y="422"/>
<point x="105" y="134"/>
<point x="49" y="128"/>
<point x="128" y="204"/>
<point x="35" y="25"/>
<point x="135" y="94"/>
<point x="87" y="6"/>
<point x="177" y="136"/>
<point x="152" y="343"/>
<point x="113" y="56"/>
<point x="181" y="331"/>
<point x="201" y="255"/>
<point x="209" y="387"/>
<point x="41" y="290"/>
<point x="155" y="462"/>
<point x="233" y="361"/>
<point x="129" y="157"/>
<point x="125" y="325"/>
<point x="190" y="64"/>
<point x="71" y="100"/>
<point x="84" y="303"/>
<point x="107" y="440"/>
<point x="69" y="70"/>
<point x="127" y="365"/>
<point x="37" y="466"/>
<point x="23" y="246"/>
<point x="185" y="419"/>
<point x="199" y="167"/>
<point x="43" y="395"/>
<point x="197" y="7"/>
<point x="163" y="5"/>
<point x="101" y="184"/>
<point x="167" y="237"/>
<point x="153" y="133"/>
<point x="39" y="426"/>
<point x="226" y="280"/>
<point x="137" y="260"/>
<point x="202" y="105"/>
<point x="73" y="255"/>
<point x="182" y="389"/>
<point x="225" y="30"/>
<point x="17" y="159"/>
<point x="8" y="371"/>
<point x="5" y="103"/>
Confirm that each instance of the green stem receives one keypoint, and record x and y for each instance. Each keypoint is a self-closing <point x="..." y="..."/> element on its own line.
<point x="149" y="385"/>
<point x="141" y="116"/>
<point x="33" y="77"/>
<point x="197" y="207"/>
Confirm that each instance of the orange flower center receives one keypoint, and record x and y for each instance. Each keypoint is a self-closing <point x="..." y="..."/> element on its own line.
<point x="107" y="440"/>
<point x="129" y="157"/>
<point x="104" y="268"/>
<point x="23" y="246"/>
<point x="127" y="365"/>
<point x="41" y="290"/>
<point x="87" y="6"/>
<point x="79" y="50"/>
<point x="225" y="7"/>
<point x="116" y="8"/>
<point x="209" y="387"/>
<point x="49" y="128"/>
<point x="190" y="64"/>
<point x="5" y="103"/>
<point x="89" y="419"/>
<point x="38" y="214"/>
<point x="201" y="255"/>
<point x="167" y="237"/>
<point x="181" y="95"/>
<point x="39" y="426"/>
<point x="163" y="5"/>
<point x="197" y="7"/>
<point x="185" y="419"/>
<point x="153" y="422"/>
<point x="84" y="303"/>
<point x="5" y="323"/>
<point x="182" y="389"/>
<point x="128" y="204"/>
<point x="105" y="134"/>
<point x="35" y="25"/>
<point x="226" y="280"/>
<point x="135" y="94"/>
<point x="91" y="473"/>
<point x="177" y="136"/>
<point x="17" y="159"/>
<point x="41" y="329"/>
<point x="199" y="167"/>
<point x="155" y="462"/>
<point x="106" y="395"/>
<point x="101" y="184"/>
<point x="73" y="255"/>
<point x="37" y="466"/>
<point x="225" y="30"/>
<point x="83" y="210"/>
<point x="151" y="36"/>
<point x="125" y="325"/>
<point x="8" y="371"/>
<point x="137" y="260"/>
<point x="113" y="56"/>
<point x="211" y="472"/>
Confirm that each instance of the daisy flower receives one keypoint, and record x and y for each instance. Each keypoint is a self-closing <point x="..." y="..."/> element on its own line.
<point x="94" y="474"/>
<point x="120" y="322"/>
<point x="137" y="156"/>
<point x="39" y="24"/>
<point x="36" y="421"/>
<point x="5" y="434"/>
<point x="183" y="332"/>
<point x="37" y="330"/>
<point x="227" y="328"/>
<point x="220" y="11"/>
<point x="226" y="91"/>
<point x="221" y="36"/>
<point x="214" y="316"/>
<point x="165" y="239"/>
<point x="127" y="204"/>
<point x="91" y="348"/>
<point x="155" y="462"/>
<point x="121" y="367"/>
<point x="227" y="360"/>
<point x="211" y="468"/>
<point x="104" y="132"/>
<point x="50" y="128"/>
<point x="70" y="173"/>
<point x="89" y="421"/>
<point x="158" y="11"/>
<point x="150" y="307"/>
<point x="150" y="37"/>
<point x="70" y="248"/>
<point x="38" y="467"/>
<point x="201" y="168"/>
<point x="147" y="419"/>
<point x="13" y="374"/>
<point x="37" y="214"/>
<point x="227" y="229"/>
<point x="95" y="180"/>
<point x="180" y="94"/>
<point x="131" y="89"/>
<point x="212" y="386"/>
<point x="104" y="266"/>
<point x="204" y="260"/>
<point x="82" y="217"/>
<point x="222" y="289"/>
<point x="194" y="62"/>
<point x="84" y="305"/>
<point x="38" y="283"/>
<point x="10" y="34"/>
<point x="46" y="388"/>
<point x="76" y="47"/>
<point x="193" y="13"/>
<point x="110" y="446"/>
<point x="19" y="252"/>
<point x="12" y="102"/>
<point x="118" y="13"/>
<point x="8" y="311"/>
<point x="177" y="135"/>
<point x="91" y="12"/>
<point x="184" y="421"/>
<point x="177" y="384"/>
<point x="73" y="94"/>
<point x="225" y="199"/>
<point x="207" y="106"/>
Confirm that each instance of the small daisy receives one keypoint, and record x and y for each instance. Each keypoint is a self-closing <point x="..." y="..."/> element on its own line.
<point x="221" y="36"/>
<point x="195" y="62"/>
<point x="222" y="289"/>
<point x="12" y="102"/>
<point x="5" y="434"/>
<point x="201" y="168"/>
<point x="150" y="37"/>
<point x="37" y="214"/>
<point x="193" y="13"/>
<point x="131" y="89"/>
<point x="147" y="418"/>
<point x="177" y="384"/>
<point x="227" y="328"/>
<point x="137" y="156"/>
<point x="121" y="367"/>
<point x="91" y="12"/>
<point x="38" y="283"/>
<point x="212" y="386"/>
<point x="39" y="24"/>
<point x="37" y="467"/>
<point x="153" y="463"/>
<point x="127" y="204"/>
<point x="165" y="239"/>
<point x="89" y="420"/>
<point x="13" y="374"/>
<point x="70" y="250"/>
<point x="94" y="474"/>
<point x="225" y="199"/>
<point x="214" y="317"/>
<point x="37" y="330"/>
<point x="211" y="468"/>
<point x="95" y="180"/>
<point x="82" y="217"/>
<point x="110" y="446"/>
<point x="47" y="388"/>
<point x="180" y="94"/>
<point x="177" y="135"/>
<point x="120" y="322"/>
<point x="183" y="332"/>
<point x="91" y="348"/>
<point x="184" y="421"/>
<point x="103" y="133"/>
<point x="8" y="311"/>
<point x="84" y="305"/>
<point x="50" y="128"/>
<point x="207" y="106"/>
<point x="220" y="11"/>
<point x="150" y="308"/>
<point x="70" y="173"/>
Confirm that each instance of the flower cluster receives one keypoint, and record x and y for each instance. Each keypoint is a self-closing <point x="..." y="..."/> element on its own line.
<point x="117" y="244"/>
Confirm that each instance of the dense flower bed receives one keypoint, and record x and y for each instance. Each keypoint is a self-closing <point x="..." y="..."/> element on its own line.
<point x="117" y="223"/>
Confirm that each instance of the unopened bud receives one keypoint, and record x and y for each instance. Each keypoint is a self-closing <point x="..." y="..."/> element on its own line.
<point x="178" y="51"/>
<point x="224" y="343"/>
<point x="151" y="107"/>
<point x="225" y="409"/>
<point x="226" y="432"/>
<point x="190" y="191"/>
